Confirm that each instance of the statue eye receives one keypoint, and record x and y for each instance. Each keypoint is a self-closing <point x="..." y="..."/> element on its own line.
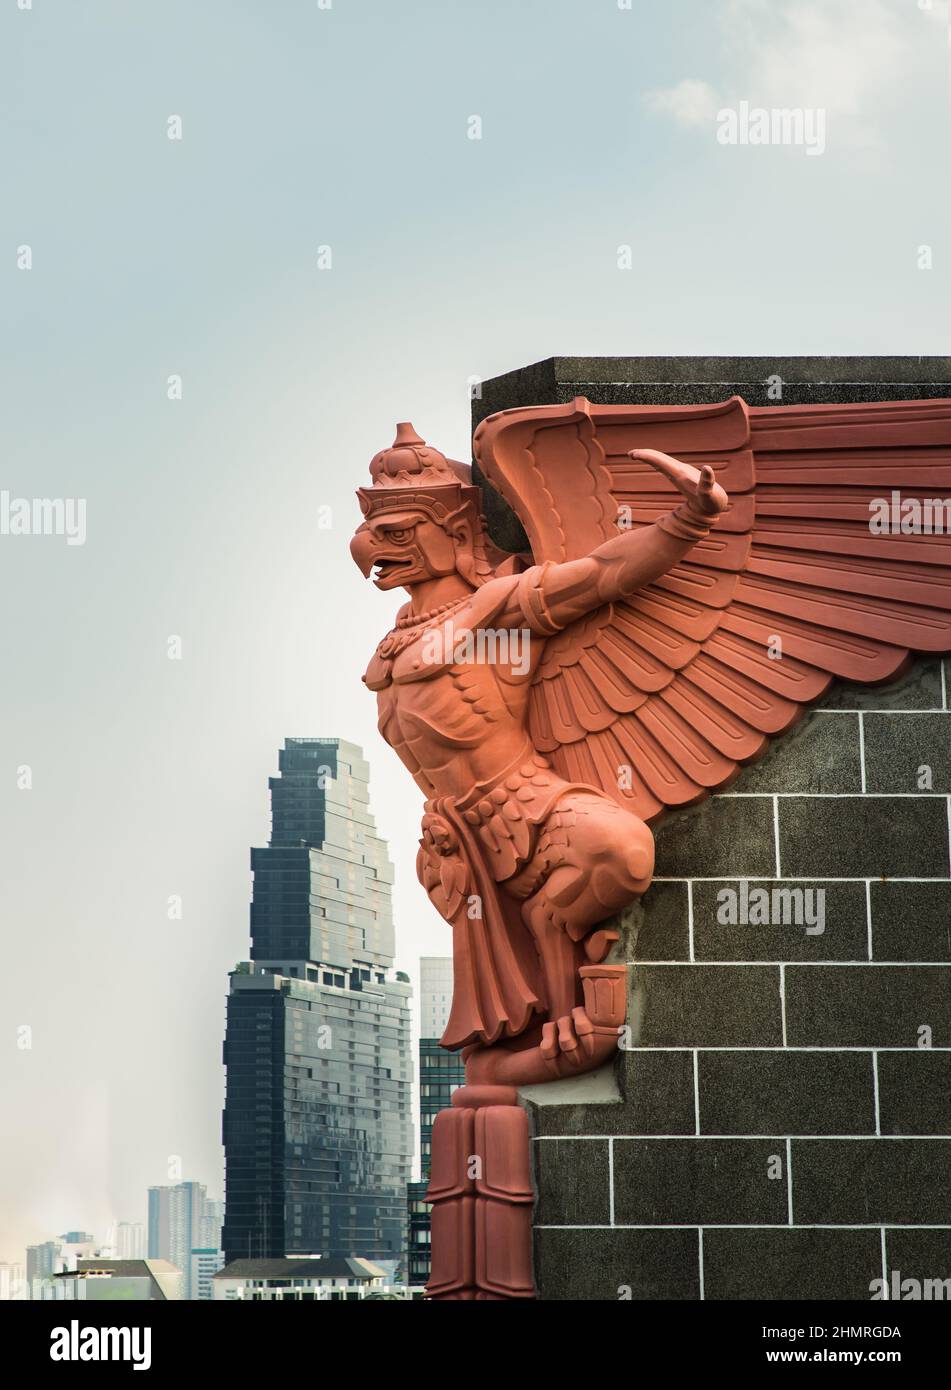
<point x="400" y="534"/>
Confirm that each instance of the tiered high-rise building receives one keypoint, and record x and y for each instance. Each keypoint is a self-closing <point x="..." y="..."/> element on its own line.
<point x="440" y="1072"/>
<point x="317" y="1129"/>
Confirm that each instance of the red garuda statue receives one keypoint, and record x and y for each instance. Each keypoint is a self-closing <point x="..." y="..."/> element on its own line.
<point x="696" y="575"/>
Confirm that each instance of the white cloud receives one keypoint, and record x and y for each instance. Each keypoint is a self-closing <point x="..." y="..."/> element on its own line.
<point x="843" y="55"/>
<point x="854" y="59"/>
<point x="690" y="103"/>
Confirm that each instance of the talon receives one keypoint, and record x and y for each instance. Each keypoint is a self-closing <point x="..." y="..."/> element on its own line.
<point x="566" y="1038"/>
<point x="549" y="1043"/>
<point x="584" y="1030"/>
<point x="573" y="1054"/>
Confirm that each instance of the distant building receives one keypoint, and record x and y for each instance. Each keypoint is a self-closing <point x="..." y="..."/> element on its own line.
<point x="130" y="1242"/>
<point x="41" y="1261"/>
<point x="316" y="1127"/>
<point x="182" y="1218"/>
<point x="204" y="1265"/>
<point x="74" y="1246"/>
<point x="435" y="995"/>
<point x="105" y="1280"/>
<point x="12" y="1282"/>
<point x="307" y="1281"/>
<point x="209" y="1230"/>
<point x="440" y="1073"/>
<point x="160" y="1223"/>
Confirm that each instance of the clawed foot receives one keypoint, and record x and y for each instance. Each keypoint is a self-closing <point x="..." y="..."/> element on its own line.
<point x="574" y="1042"/>
<point x="571" y="1038"/>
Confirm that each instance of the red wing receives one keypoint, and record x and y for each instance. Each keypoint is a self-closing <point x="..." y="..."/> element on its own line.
<point x="661" y="698"/>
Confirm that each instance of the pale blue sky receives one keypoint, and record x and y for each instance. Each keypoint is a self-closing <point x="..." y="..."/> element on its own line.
<point x="344" y="127"/>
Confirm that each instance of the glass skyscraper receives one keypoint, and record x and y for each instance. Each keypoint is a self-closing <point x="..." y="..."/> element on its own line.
<point x="317" y="1127"/>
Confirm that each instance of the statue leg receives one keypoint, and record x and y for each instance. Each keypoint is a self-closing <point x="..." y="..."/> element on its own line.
<point x="591" y="860"/>
<point x="559" y="956"/>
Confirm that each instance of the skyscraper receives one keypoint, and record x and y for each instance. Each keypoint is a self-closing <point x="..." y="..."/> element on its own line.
<point x="181" y="1219"/>
<point x="440" y="1072"/>
<point x="317" y="1113"/>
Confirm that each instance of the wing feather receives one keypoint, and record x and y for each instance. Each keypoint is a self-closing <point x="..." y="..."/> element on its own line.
<point x="805" y="646"/>
<point x="723" y="728"/>
<point x="607" y="680"/>
<point x="760" y="708"/>
<point x="659" y="640"/>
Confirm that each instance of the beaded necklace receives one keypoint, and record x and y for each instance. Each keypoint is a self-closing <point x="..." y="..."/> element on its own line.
<point x="409" y="628"/>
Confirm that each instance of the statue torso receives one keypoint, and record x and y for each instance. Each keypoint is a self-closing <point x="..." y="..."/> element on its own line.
<point x="452" y="694"/>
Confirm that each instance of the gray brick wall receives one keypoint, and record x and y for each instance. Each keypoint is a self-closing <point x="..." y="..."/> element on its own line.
<point x="780" y="1129"/>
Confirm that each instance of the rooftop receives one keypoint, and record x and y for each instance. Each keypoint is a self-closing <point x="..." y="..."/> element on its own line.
<point x="306" y="1268"/>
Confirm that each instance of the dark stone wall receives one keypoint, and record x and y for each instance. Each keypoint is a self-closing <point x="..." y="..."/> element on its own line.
<point x="777" y="1129"/>
<point x="697" y="380"/>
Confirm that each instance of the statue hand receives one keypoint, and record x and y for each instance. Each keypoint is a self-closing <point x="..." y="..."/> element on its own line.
<point x="698" y="485"/>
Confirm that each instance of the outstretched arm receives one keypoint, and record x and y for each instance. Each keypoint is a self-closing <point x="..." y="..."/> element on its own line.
<point x="628" y="561"/>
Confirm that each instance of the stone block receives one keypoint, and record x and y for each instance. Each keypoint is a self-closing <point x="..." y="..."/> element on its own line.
<point x="617" y="1265"/>
<point x="724" y="836"/>
<point x="857" y="1182"/>
<point x="791" y="907"/>
<point x="572" y="1180"/>
<point x="819" y="754"/>
<point x="790" y="1264"/>
<point x="705" y="1006"/>
<point x="915" y="1092"/>
<point x="867" y="1005"/>
<point x="921" y="1255"/>
<point x="863" y="837"/>
<point x="786" y="1093"/>
<point x="899" y="747"/>
<point x="911" y="921"/>
<point x="698" y="1182"/>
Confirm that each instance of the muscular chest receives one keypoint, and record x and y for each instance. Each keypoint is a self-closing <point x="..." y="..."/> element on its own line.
<point x="452" y="703"/>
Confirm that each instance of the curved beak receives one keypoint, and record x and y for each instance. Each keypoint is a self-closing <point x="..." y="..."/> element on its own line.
<point x="362" y="549"/>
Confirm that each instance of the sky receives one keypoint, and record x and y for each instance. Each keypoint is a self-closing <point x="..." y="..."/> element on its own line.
<point x="206" y="338"/>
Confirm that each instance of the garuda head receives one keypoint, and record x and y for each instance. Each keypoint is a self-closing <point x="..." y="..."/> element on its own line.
<point x="422" y="517"/>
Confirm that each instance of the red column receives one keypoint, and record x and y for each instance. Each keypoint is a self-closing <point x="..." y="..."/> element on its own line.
<point x="481" y="1193"/>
